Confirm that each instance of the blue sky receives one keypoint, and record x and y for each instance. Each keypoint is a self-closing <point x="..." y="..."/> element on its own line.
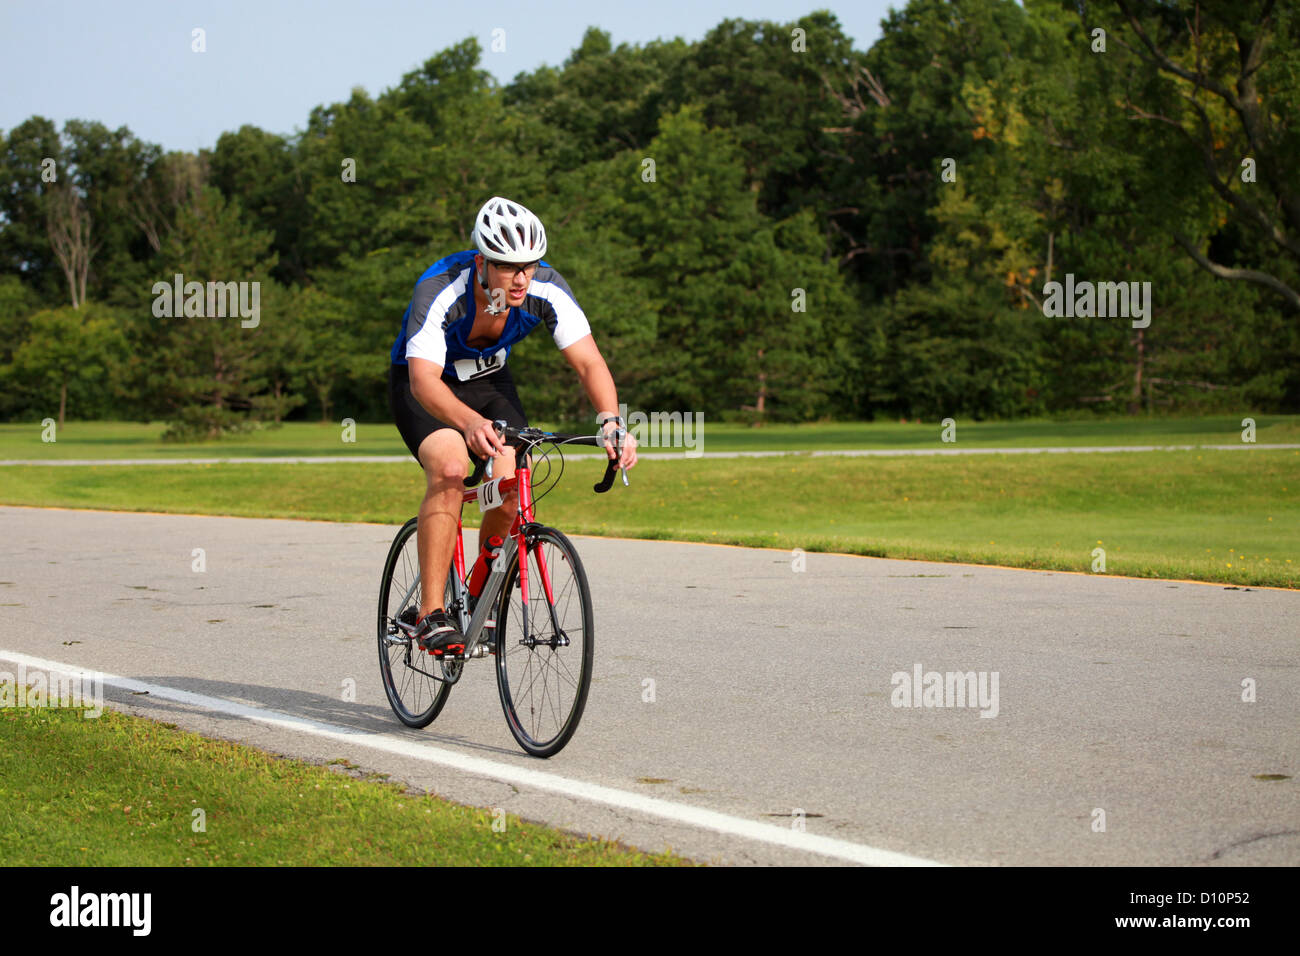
<point x="268" y="63"/>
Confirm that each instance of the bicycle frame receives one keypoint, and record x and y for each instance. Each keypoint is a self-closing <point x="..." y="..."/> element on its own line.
<point x="516" y="539"/>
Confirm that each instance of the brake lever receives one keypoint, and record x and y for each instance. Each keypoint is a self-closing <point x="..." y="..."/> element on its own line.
<point x="611" y="464"/>
<point x="500" y="426"/>
<point x="620" y="433"/>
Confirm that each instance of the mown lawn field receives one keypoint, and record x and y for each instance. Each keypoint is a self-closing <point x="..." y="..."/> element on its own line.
<point x="118" y="790"/>
<point x="1226" y="516"/>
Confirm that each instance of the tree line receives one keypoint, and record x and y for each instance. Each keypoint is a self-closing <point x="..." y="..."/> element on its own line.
<point x="767" y="224"/>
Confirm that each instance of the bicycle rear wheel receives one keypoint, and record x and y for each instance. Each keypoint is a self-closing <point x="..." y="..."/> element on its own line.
<point x="415" y="695"/>
<point x="545" y="647"/>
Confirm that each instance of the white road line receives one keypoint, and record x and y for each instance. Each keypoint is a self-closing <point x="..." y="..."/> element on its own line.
<point x="653" y="806"/>
<point x="657" y="455"/>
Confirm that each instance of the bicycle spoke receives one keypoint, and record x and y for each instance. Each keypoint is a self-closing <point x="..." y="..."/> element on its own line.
<point x="544" y="687"/>
<point x="416" y="697"/>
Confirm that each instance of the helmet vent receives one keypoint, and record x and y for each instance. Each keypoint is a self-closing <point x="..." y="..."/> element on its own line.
<point x="508" y="232"/>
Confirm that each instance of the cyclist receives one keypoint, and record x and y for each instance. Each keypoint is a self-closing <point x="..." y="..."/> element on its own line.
<point x="448" y="382"/>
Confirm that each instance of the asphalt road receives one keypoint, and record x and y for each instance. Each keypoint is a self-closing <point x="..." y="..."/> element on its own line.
<point x="1116" y="730"/>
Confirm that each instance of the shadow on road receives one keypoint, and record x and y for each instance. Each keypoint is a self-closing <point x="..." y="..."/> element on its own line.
<point x="364" y="719"/>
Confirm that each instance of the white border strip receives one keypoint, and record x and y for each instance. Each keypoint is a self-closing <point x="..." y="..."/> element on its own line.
<point x="624" y="800"/>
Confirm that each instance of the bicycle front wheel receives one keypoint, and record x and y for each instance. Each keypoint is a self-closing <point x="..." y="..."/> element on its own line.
<point x="545" y="645"/>
<point x="414" y="693"/>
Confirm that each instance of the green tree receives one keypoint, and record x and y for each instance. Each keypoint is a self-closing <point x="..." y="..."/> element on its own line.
<point x="629" y="84"/>
<point x="720" y="276"/>
<point x="17" y="303"/>
<point x="331" y="355"/>
<point x="766" y="83"/>
<point x="24" y="187"/>
<point x="1216" y="82"/>
<point x="364" y="298"/>
<point x="66" y="360"/>
<point x="105" y="166"/>
<point x="261" y="172"/>
<point x="209" y="369"/>
<point x="587" y="242"/>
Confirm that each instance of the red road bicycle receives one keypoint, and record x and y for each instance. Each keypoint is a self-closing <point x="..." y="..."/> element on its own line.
<point x="533" y="617"/>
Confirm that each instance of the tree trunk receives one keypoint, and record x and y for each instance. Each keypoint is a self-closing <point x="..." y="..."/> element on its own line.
<point x="63" y="400"/>
<point x="1134" y="405"/>
<point x="323" y="393"/>
<point x="760" y="405"/>
<point x="218" y="391"/>
<point x="68" y="225"/>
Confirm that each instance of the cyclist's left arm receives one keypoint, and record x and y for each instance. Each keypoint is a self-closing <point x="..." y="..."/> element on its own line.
<point x="592" y="371"/>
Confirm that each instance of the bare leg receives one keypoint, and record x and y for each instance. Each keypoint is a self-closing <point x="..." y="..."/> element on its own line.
<point x="444" y="458"/>
<point x="498" y="520"/>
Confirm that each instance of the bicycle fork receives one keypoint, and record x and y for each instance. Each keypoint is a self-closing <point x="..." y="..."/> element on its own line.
<point x="495" y="583"/>
<point x="560" y="639"/>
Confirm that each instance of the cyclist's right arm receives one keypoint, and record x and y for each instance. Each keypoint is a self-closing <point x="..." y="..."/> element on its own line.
<point x="432" y="392"/>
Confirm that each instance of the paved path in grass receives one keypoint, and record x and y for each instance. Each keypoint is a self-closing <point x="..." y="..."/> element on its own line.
<point x="658" y="455"/>
<point x="746" y="708"/>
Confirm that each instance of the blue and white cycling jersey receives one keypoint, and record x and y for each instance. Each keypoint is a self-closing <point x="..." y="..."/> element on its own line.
<point x="440" y="316"/>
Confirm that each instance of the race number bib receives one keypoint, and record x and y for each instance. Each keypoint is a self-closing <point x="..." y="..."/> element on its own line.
<point x="489" y="495"/>
<point x="480" y="365"/>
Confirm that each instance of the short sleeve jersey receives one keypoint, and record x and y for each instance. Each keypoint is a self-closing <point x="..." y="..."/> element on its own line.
<point x="441" y="313"/>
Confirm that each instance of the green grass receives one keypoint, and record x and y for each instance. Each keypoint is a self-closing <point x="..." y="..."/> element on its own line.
<point x="122" y="791"/>
<point x="22" y="441"/>
<point x="1226" y="516"/>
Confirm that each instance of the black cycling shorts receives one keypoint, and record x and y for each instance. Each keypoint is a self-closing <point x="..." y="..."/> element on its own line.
<point x="492" y="396"/>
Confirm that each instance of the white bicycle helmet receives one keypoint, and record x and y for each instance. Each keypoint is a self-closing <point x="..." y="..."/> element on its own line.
<point x="505" y="231"/>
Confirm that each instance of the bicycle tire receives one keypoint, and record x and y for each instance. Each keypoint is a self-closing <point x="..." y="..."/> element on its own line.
<point x="416" y="697"/>
<point x="543" y="718"/>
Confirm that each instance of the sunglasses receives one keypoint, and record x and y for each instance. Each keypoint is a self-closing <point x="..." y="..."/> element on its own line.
<point x="527" y="268"/>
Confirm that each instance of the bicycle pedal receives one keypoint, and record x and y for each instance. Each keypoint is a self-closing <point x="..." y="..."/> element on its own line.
<point x="450" y="652"/>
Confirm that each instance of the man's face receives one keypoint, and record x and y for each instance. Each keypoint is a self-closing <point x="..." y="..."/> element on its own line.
<point x="513" y="279"/>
